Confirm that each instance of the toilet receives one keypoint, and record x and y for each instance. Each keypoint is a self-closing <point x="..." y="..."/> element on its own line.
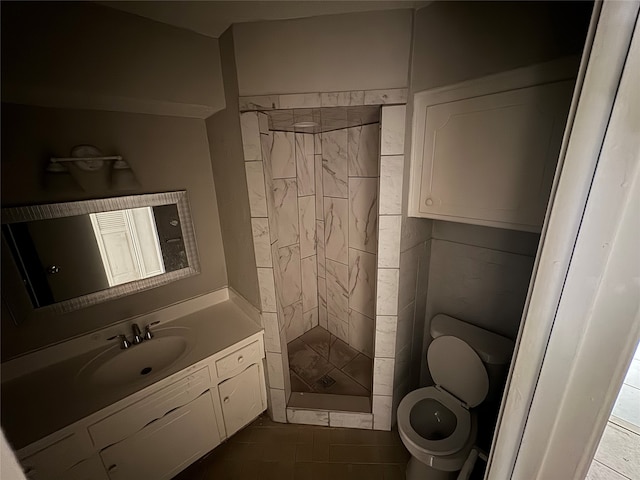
<point x="437" y="424"/>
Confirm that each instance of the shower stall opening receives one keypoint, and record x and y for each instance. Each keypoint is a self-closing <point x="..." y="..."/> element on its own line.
<point x="321" y="178"/>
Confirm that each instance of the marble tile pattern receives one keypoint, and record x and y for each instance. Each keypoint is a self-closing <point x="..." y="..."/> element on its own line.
<point x="319" y="190"/>
<point x="283" y="155"/>
<point x="334" y="164"/>
<point x="255" y="187"/>
<point x="291" y="275"/>
<point x="338" y="328"/>
<point x="342" y="99"/>
<point x="278" y="405"/>
<point x="392" y="130"/>
<point x="259" y="102"/>
<point x="362" y="282"/>
<point x="308" y="417"/>
<point x="261" y="242"/>
<point x="263" y="123"/>
<point x="388" y="96"/>
<point x="323" y="316"/>
<point x="361" y="332"/>
<point x="387" y="291"/>
<point x="309" y="284"/>
<point x="305" y="159"/>
<point x="338" y="291"/>
<point x="266" y="140"/>
<point x="286" y="211"/>
<point x="389" y="241"/>
<point x="271" y="332"/>
<point x="385" y="338"/>
<point x="250" y="132"/>
<point x="275" y="373"/>
<point x="320" y="248"/>
<point x="383" y="376"/>
<point x="351" y="420"/>
<point x="362" y="150"/>
<point x="307" y="225"/>
<point x="310" y="319"/>
<point x="363" y="216"/>
<point x="381" y="408"/>
<point x="336" y="229"/>
<point x="267" y="289"/>
<point x="294" y="321"/>
<point x="391" y="172"/>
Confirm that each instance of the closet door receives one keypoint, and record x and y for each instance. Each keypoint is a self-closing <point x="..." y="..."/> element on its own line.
<point x="485" y="152"/>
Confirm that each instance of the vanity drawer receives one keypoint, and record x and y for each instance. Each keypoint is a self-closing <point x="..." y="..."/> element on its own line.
<point x="237" y="361"/>
<point x="164" y="448"/>
<point x="134" y="417"/>
<point x="52" y="461"/>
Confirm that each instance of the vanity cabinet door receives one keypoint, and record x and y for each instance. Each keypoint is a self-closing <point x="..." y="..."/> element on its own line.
<point x="166" y="446"/>
<point x="241" y="398"/>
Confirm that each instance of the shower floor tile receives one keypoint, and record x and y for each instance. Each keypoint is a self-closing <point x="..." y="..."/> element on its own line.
<point x="322" y="363"/>
<point x="306" y="362"/>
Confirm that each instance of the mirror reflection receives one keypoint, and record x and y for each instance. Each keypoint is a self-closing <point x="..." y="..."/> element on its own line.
<point x="63" y="258"/>
<point x="72" y="255"/>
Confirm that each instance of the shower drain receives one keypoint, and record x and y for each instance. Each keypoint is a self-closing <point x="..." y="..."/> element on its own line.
<point x="325" y="381"/>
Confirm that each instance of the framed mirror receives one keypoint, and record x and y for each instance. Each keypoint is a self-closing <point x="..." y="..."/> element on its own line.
<point x="76" y="254"/>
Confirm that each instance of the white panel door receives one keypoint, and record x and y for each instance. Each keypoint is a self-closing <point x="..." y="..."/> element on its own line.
<point x="241" y="398"/>
<point x="166" y="446"/>
<point x="490" y="159"/>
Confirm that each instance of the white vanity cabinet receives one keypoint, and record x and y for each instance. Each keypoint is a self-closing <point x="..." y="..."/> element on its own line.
<point x="484" y="152"/>
<point x="157" y="434"/>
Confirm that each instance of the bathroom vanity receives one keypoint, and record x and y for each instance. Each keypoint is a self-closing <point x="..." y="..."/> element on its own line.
<point x="98" y="416"/>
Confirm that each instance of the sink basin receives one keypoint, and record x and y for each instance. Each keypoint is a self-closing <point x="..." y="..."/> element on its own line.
<point x="141" y="362"/>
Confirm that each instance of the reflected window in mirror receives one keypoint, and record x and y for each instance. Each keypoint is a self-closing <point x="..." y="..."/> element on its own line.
<point x="77" y="254"/>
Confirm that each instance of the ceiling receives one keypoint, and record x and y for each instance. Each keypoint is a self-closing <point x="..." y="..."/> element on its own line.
<point x="212" y="18"/>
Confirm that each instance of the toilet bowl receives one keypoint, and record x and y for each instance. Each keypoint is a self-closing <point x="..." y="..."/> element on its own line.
<point x="435" y="423"/>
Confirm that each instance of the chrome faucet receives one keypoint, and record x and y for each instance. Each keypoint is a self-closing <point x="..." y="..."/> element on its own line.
<point x="148" y="334"/>
<point x="137" y="335"/>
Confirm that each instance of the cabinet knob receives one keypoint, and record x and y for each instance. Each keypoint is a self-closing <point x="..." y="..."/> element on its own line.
<point x="429" y="202"/>
<point x="226" y="400"/>
<point x="240" y="359"/>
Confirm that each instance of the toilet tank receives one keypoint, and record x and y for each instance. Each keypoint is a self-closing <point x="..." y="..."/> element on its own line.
<point x="494" y="350"/>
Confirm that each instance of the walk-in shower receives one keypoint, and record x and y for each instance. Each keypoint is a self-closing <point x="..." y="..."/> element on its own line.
<point x="321" y="170"/>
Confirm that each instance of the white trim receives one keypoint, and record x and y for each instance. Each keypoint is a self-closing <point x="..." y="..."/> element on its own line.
<point x="578" y="159"/>
<point x="597" y="324"/>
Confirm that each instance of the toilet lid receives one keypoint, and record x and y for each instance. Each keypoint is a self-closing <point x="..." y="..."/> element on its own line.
<point x="456" y="367"/>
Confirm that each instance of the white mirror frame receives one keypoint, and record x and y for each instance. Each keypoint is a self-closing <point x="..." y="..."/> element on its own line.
<point x="67" y="209"/>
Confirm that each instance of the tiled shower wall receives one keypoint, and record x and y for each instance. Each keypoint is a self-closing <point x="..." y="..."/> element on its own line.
<point x="347" y="233"/>
<point x="266" y="243"/>
<point x="324" y="215"/>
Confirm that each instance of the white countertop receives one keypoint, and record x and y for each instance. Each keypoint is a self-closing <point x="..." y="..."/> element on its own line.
<point x="40" y="403"/>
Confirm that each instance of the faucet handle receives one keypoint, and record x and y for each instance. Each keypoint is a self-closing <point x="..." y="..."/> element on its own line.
<point x="148" y="334"/>
<point x="124" y="343"/>
<point x="137" y="335"/>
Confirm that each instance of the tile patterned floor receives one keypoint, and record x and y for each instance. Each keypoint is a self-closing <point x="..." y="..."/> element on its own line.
<point x="268" y="450"/>
<point x="318" y="354"/>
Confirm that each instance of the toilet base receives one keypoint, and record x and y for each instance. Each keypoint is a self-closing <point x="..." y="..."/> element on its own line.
<point x="416" y="470"/>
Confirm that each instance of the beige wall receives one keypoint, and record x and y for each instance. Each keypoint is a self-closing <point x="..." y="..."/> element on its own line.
<point x="166" y="153"/>
<point x="82" y="55"/>
<point x="458" y="41"/>
<point x="359" y="51"/>
<point x="227" y="161"/>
